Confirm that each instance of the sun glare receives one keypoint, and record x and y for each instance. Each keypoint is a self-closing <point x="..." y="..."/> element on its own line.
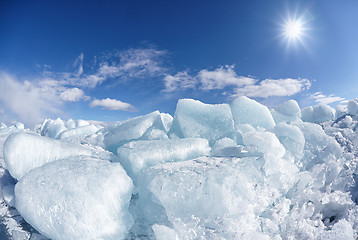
<point x="293" y="29"/>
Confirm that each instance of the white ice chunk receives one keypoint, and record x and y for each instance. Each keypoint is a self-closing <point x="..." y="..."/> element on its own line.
<point x="224" y="143"/>
<point x="276" y="167"/>
<point x="118" y="134"/>
<point x="70" y="124"/>
<point x="318" y="114"/>
<point x="155" y="134"/>
<point x="353" y="106"/>
<point x="291" y="138"/>
<point x="289" y="108"/>
<point x="266" y="142"/>
<point x="81" y="123"/>
<point x="286" y="112"/>
<point x="80" y="132"/>
<point x="52" y="128"/>
<point x="162" y="232"/>
<point x="167" y="121"/>
<point x="76" y="199"/>
<point x="245" y="110"/>
<point x="193" y="119"/>
<point x="226" y="147"/>
<point x="23" y="152"/>
<point x="319" y="147"/>
<point x="341" y="110"/>
<point x="20" y="126"/>
<point x="209" y="196"/>
<point x="143" y="154"/>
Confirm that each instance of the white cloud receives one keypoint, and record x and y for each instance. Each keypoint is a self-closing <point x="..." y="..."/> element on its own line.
<point x="274" y="87"/>
<point x="181" y="80"/>
<point x="222" y="77"/>
<point x="324" y="99"/>
<point x="112" y="104"/>
<point x="30" y="102"/>
<point x="234" y="85"/>
<point x="72" y="95"/>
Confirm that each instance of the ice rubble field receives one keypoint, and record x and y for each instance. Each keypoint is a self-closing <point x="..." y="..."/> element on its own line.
<point x="225" y="171"/>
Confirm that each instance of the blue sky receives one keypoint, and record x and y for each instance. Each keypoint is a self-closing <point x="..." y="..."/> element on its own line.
<point x="112" y="60"/>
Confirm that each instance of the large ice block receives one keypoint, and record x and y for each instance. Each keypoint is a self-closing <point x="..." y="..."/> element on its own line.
<point x="318" y="114"/>
<point x="79" y="198"/>
<point x="194" y="119"/>
<point x="118" y="134"/>
<point x="245" y="110"/>
<point x="287" y="112"/>
<point x="24" y="152"/>
<point x="142" y="154"/>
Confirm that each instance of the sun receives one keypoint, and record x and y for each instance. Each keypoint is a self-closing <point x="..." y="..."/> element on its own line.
<point x="293" y="29"/>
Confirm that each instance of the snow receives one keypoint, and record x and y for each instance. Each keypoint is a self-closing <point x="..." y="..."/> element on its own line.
<point x="214" y="171"/>
<point x="79" y="198"/>
<point x="245" y="110"/>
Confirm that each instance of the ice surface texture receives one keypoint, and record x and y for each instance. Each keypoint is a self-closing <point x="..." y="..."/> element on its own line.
<point x="142" y="154"/>
<point x="214" y="171"/>
<point x="24" y="152"/>
<point x="76" y="199"/>
<point x="195" y="119"/>
<point x="245" y="110"/>
<point x="318" y="114"/>
<point x="120" y="133"/>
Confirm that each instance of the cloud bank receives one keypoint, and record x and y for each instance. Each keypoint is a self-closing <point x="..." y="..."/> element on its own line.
<point x="30" y="102"/>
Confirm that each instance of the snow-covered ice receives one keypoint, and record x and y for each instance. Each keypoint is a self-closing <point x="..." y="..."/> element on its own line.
<point x="214" y="171"/>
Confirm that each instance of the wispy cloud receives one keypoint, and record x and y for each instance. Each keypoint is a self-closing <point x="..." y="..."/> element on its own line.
<point x="112" y="104"/>
<point x="324" y="99"/>
<point x="225" y="77"/>
<point x="122" y="65"/>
